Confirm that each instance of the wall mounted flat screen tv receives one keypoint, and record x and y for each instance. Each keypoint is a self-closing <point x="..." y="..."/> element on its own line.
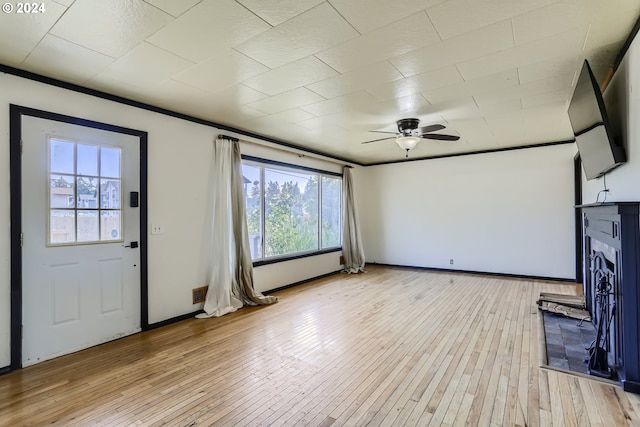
<point x="598" y="150"/>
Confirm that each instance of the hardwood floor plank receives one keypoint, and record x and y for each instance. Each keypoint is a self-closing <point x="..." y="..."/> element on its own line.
<point x="393" y="346"/>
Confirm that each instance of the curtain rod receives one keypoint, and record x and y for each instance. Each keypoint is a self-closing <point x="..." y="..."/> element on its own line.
<point x="228" y="137"/>
<point x="330" y="160"/>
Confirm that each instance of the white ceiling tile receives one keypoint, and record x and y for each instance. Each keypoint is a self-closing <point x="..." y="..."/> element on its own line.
<point x="110" y="27"/>
<point x="15" y="42"/>
<point x="209" y="108"/>
<point x="474" y="44"/>
<point x="310" y="32"/>
<point x="378" y="12"/>
<point x="173" y="7"/>
<point x="610" y="22"/>
<point x="455" y="17"/>
<point x="286" y="101"/>
<point x="109" y="84"/>
<point x="353" y="101"/>
<point x="210" y="76"/>
<point x="504" y="106"/>
<point x="239" y="94"/>
<point x="556" y="97"/>
<point x="283" y="117"/>
<point x="296" y="74"/>
<point x="472" y="87"/>
<point x="66" y="61"/>
<point x="146" y="65"/>
<point x="324" y="123"/>
<point x="172" y="95"/>
<point x="208" y="28"/>
<point x="548" y="21"/>
<point x="527" y="89"/>
<point x="359" y="121"/>
<point x="457" y="109"/>
<point x="276" y="12"/>
<point x="410" y="105"/>
<point x="532" y="126"/>
<point x="237" y="118"/>
<point x="357" y="79"/>
<point x="415" y="84"/>
<point x="392" y="40"/>
<point x="548" y="48"/>
<point x="551" y="68"/>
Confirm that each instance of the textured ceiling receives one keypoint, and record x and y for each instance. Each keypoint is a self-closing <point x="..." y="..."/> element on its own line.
<point x="322" y="74"/>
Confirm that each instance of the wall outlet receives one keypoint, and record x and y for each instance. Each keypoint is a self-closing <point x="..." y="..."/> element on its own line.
<point x="157" y="229"/>
<point x="451" y="261"/>
<point x="199" y="294"/>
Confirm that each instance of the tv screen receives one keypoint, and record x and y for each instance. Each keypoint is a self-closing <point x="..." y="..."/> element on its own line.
<point x="599" y="152"/>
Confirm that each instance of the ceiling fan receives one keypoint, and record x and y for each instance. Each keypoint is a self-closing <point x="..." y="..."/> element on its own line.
<point x="409" y="134"/>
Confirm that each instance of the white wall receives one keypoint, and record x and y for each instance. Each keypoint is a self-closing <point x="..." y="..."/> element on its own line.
<point x="623" y="107"/>
<point x="179" y="159"/>
<point x="506" y="212"/>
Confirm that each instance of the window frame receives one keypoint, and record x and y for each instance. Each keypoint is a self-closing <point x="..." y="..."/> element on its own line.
<point x="282" y="166"/>
<point x="75" y="209"/>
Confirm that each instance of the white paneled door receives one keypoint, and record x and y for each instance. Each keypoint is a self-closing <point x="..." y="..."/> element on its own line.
<point x="81" y="260"/>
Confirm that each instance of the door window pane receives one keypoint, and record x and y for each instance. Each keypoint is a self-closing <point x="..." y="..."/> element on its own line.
<point x="62" y="226"/>
<point x="331" y="201"/>
<point x="110" y="225"/>
<point x="110" y="162"/>
<point x="252" y="195"/>
<point x="62" y="157"/>
<point x="110" y="194"/>
<point x="62" y="191"/>
<point x="88" y="228"/>
<point x="87" y="160"/>
<point x="87" y="192"/>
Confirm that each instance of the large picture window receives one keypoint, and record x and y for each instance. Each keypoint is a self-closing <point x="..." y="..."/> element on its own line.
<point x="291" y="211"/>
<point x="84" y="193"/>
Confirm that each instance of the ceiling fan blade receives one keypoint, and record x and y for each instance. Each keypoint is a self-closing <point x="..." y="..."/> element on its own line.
<point x="381" y="131"/>
<point x="376" y="140"/>
<point x="441" y="137"/>
<point x="431" y="128"/>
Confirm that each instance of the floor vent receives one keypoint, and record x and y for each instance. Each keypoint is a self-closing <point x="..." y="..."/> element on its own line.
<point x="198" y="294"/>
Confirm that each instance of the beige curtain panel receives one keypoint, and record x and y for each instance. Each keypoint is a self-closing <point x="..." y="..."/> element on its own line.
<point x="231" y="280"/>
<point x="352" y="249"/>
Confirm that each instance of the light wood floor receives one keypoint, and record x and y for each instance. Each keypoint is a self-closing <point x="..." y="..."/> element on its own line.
<point x="389" y="347"/>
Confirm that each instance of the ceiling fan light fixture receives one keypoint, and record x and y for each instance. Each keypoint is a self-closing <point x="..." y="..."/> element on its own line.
<point x="407" y="142"/>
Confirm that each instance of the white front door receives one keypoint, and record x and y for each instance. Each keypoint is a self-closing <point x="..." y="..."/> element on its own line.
<point x="80" y="273"/>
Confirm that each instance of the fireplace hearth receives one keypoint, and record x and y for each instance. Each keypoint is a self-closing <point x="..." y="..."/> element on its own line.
<point x="611" y="270"/>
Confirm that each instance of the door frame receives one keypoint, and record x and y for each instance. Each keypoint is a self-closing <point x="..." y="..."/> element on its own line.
<point x="16" y="112"/>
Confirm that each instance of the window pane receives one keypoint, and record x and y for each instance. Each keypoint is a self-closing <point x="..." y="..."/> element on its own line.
<point x="88" y="230"/>
<point x="62" y="158"/>
<point x="291" y="212"/>
<point x="61" y="191"/>
<point x="87" y="160"/>
<point x="110" y="162"/>
<point x="110" y="225"/>
<point x="110" y="194"/>
<point x="252" y="189"/>
<point x="87" y="192"/>
<point x="331" y="200"/>
<point x="62" y="226"/>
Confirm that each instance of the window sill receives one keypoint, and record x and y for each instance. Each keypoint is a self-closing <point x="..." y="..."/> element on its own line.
<point x="296" y="256"/>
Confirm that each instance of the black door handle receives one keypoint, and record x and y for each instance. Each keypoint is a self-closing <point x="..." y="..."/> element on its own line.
<point x="132" y="245"/>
